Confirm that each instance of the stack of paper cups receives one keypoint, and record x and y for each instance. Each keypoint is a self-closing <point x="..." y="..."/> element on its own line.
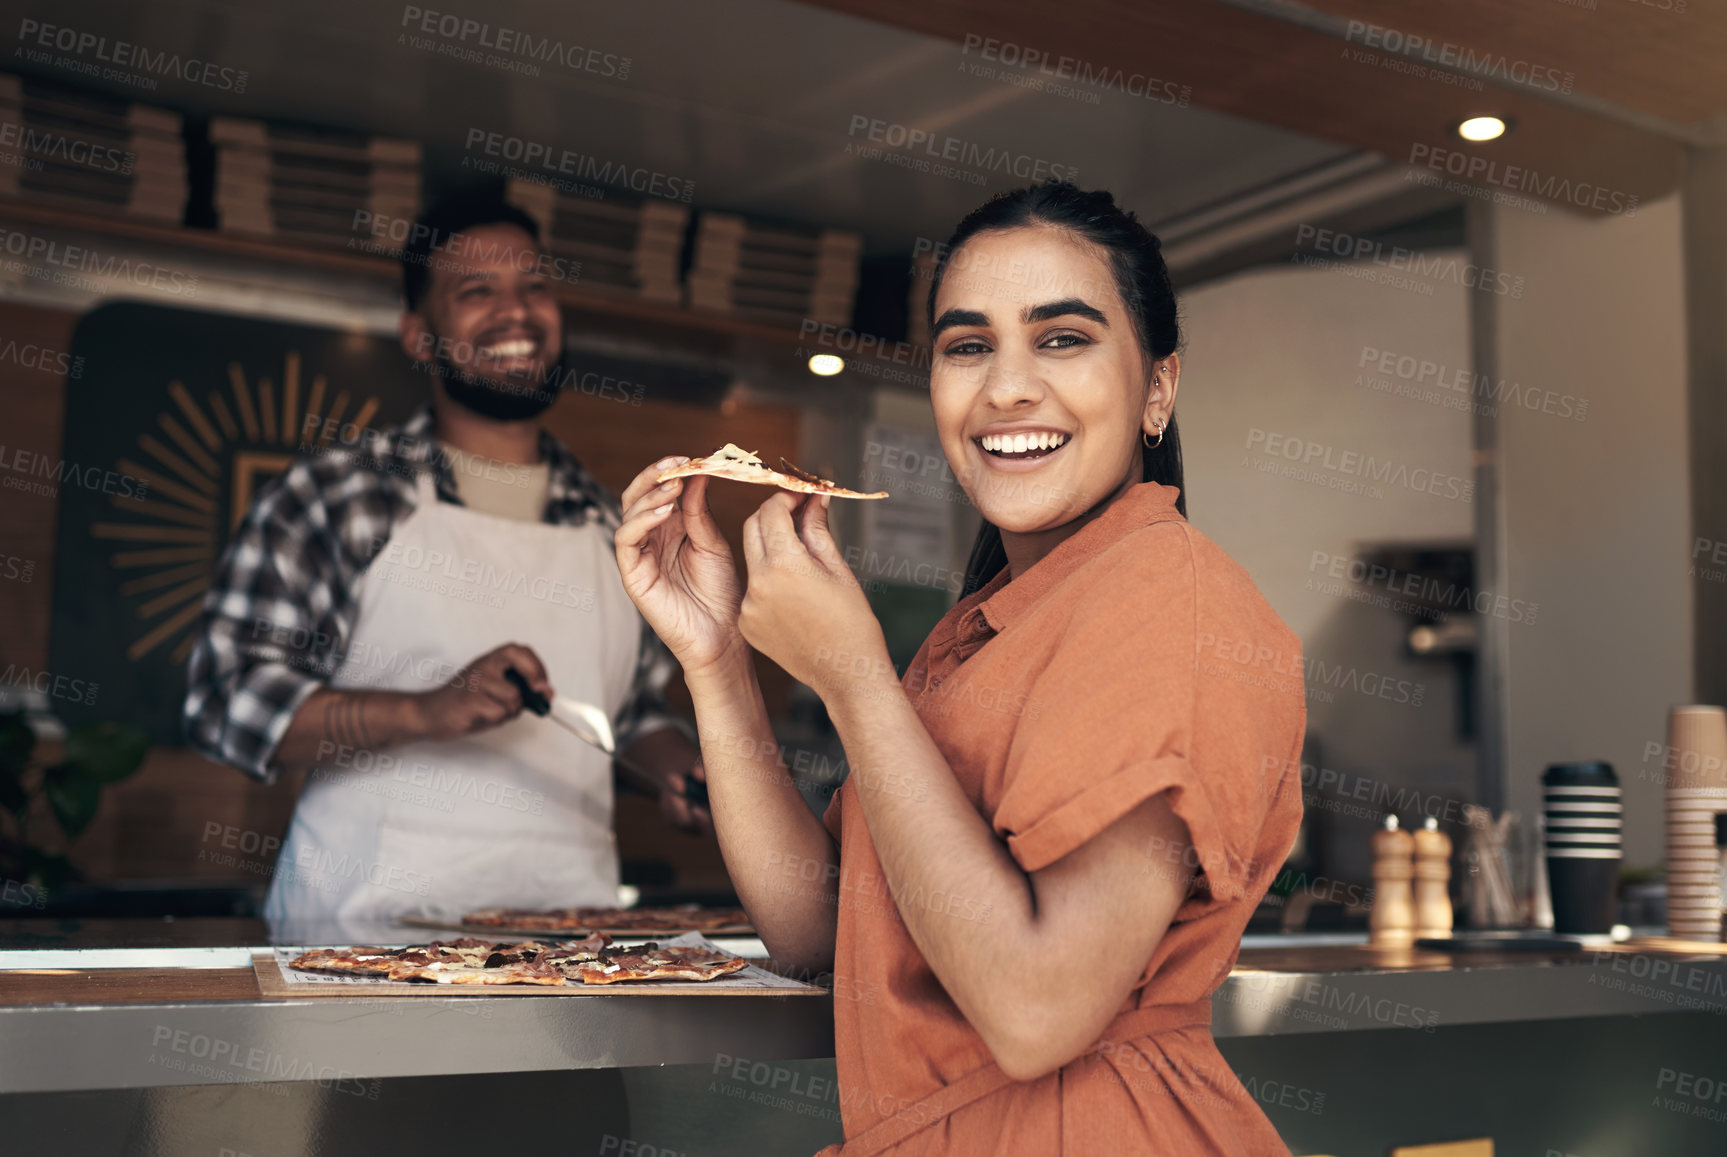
<point x="1696" y="775"/>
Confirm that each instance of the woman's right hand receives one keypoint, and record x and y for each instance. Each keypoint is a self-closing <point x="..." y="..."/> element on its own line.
<point x="677" y="567"/>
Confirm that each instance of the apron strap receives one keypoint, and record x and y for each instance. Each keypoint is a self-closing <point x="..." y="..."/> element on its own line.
<point x="980" y="1083"/>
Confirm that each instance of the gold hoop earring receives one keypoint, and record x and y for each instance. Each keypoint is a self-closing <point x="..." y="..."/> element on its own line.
<point x="1146" y="438"/>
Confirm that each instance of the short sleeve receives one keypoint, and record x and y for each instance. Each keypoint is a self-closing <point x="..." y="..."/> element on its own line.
<point x="1122" y="712"/>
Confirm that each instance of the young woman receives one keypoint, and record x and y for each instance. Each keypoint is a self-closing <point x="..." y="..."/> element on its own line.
<point x="1057" y="824"/>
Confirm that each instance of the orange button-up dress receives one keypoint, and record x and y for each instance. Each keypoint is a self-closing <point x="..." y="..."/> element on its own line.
<point x="1136" y="658"/>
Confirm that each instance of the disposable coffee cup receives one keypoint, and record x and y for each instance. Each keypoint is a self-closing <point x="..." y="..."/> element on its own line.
<point x="1583" y="821"/>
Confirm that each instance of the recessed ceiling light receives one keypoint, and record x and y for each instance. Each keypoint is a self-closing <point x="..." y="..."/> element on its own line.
<point x="1481" y="129"/>
<point x="826" y="365"/>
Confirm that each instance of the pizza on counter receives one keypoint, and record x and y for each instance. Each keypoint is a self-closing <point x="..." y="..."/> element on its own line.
<point x="591" y="960"/>
<point x="740" y="465"/>
<point x="615" y="921"/>
<point x="652" y="962"/>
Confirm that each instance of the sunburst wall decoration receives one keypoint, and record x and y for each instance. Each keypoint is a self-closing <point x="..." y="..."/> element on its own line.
<point x="179" y="419"/>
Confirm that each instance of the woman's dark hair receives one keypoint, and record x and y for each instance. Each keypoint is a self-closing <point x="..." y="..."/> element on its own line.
<point x="1141" y="277"/>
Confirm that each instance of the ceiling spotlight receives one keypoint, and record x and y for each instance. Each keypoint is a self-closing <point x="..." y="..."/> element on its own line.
<point x="1481" y="129"/>
<point x="826" y="365"/>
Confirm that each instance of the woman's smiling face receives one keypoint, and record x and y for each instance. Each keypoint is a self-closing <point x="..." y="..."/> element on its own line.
<point x="1038" y="382"/>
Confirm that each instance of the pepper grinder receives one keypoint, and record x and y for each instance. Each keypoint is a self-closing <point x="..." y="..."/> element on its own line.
<point x="1432" y="880"/>
<point x="1391" y="924"/>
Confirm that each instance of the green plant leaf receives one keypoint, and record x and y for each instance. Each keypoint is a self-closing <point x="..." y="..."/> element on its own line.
<point x="108" y="751"/>
<point x="73" y="796"/>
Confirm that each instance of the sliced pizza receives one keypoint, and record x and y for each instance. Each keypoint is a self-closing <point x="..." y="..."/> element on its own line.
<point x="616" y="921"/>
<point x="484" y="962"/>
<point x="464" y="961"/>
<point x="590" y="960"/>
<point x="362" y="960"/>
<point x="528" y="919"/>
<point x="652" y="962"/>
<point x="740" y="465"/>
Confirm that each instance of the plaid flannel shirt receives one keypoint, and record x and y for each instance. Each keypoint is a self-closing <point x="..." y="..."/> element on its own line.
<point x="281" y="604"/>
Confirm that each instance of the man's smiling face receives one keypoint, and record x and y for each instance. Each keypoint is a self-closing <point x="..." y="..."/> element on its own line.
<point x="489" y="313"/>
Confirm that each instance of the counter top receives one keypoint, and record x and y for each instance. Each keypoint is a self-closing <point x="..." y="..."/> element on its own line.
<point x="1332" y="988"/>
<point x="64" y="1029"/>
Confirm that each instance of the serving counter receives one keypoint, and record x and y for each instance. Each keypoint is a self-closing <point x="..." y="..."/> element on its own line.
<point x="1348" y="1048"/>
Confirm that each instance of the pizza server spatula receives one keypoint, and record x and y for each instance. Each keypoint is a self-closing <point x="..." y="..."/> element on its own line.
<point x="591" y="725"/>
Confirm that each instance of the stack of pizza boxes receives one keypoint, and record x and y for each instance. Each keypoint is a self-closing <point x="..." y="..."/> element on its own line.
<point x="74" y="149"/>
<point x="615" y="245"/>
<point x="775" y="274"/>
<point x="314" y="185"/>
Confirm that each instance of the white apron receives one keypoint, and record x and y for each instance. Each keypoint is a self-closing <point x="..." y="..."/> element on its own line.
<point x="518" y="815"/>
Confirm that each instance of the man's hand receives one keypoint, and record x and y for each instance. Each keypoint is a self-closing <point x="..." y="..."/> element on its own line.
<point x="668" y="758"/>
<point x="680" y="812"/>
<point x="479" y="697"/>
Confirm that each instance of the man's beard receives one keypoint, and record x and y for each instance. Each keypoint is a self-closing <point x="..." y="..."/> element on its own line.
<point x="507" y="401"/>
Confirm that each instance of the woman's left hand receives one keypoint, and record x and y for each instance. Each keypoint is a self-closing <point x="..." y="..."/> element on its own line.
<point x="803" y="607"/>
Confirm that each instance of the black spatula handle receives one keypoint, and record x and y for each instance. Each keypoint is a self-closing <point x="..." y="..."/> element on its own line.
<point x="531" y="699"/>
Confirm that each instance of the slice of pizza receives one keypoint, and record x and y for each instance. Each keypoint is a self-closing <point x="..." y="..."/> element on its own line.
<point x="492" y="917"/>
<point x="572" y="951"/>
<point x="652" y="962"/>
<point x="620" y="921"/>
<point x="464" y="961"/>
<point x="695" y="964"/>
<point x="683" y="918"/>
<point x="460" y="972"/>
<point x="369" y="961"/>
<point x="528" y="962"/>
<point x="626" y="920"/>
<point x="529" y="919"/>
<point x="741" y="466"/>
<point x="708" y="919"/>
<point x="359" y="961"/>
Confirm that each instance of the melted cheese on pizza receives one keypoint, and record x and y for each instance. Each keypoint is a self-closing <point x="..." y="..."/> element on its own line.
<point x="732" y="453"/>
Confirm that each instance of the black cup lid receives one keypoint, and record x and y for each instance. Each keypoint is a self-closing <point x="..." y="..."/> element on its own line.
<point x="1569" y="774"/>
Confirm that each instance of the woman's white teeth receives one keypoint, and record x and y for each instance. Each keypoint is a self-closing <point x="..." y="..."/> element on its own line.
<point x="1021" y="443"/>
